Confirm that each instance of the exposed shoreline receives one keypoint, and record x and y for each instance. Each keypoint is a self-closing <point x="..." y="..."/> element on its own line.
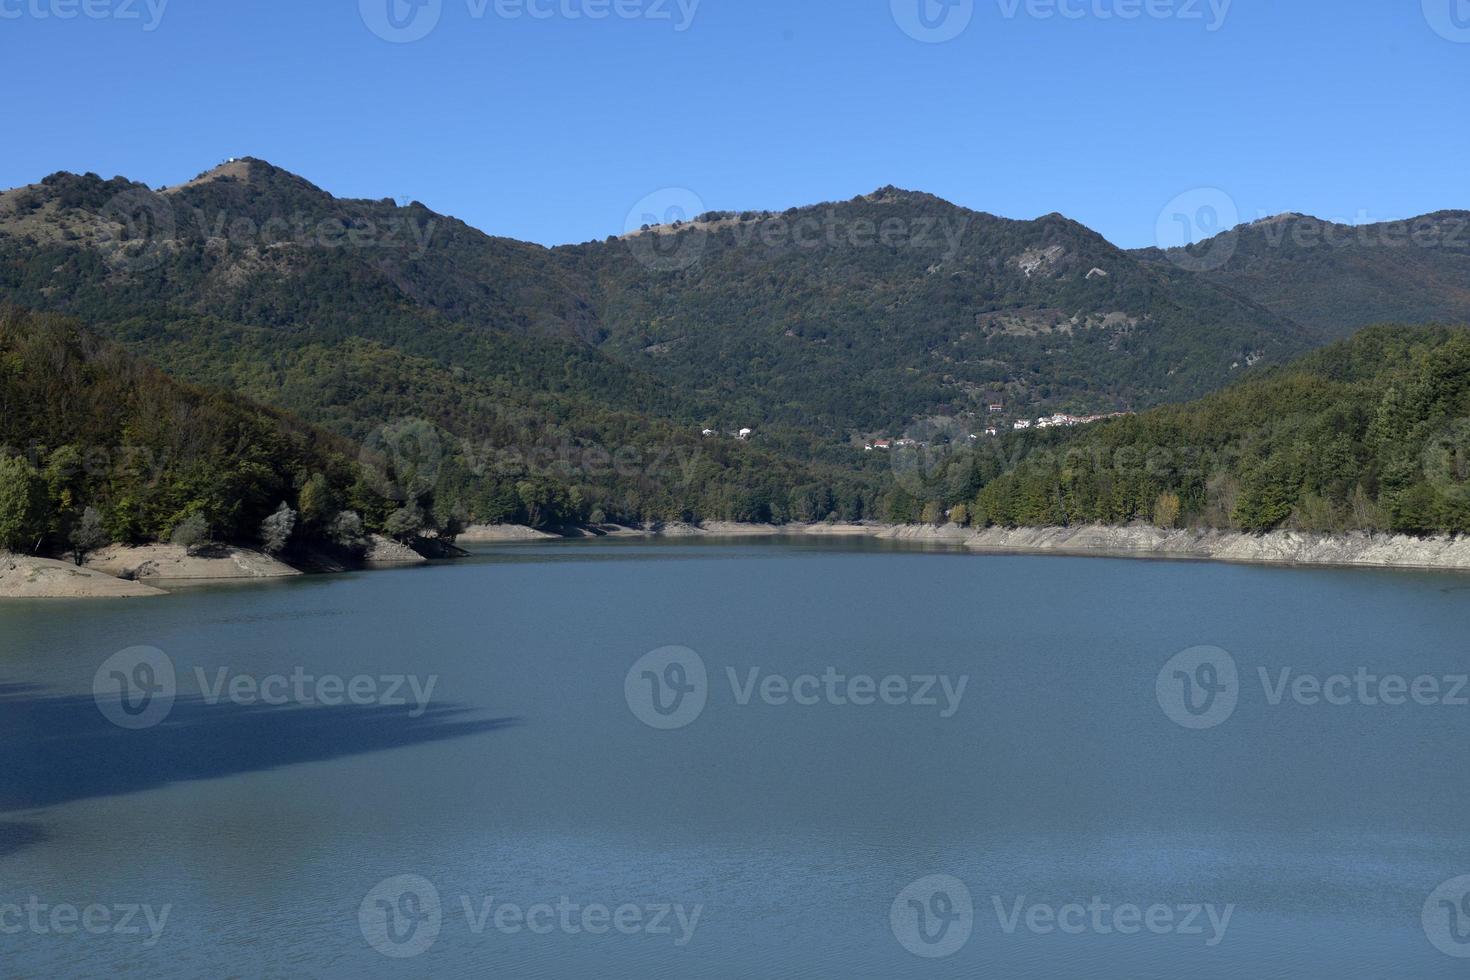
<point x="1346" y="550"/>
<point x="125" y="572"/>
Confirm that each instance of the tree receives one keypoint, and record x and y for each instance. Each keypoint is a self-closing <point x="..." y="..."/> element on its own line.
<point x="315" y="501"/>
<point x="87" y="535"/>
<point x="1166" y="510"/>
<point x="404" y="523"/>
<point x="933" y="513"/>
<point x="191" y="533"/>
<point x="23" y="511"/>
<point x="346" y="531"/>
<point x="276" y="529"/>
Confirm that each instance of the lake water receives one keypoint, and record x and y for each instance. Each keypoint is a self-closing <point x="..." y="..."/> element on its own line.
<point x="547" y="828"/>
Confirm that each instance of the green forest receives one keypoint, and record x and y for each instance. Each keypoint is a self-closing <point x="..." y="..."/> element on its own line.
<point x="1372" y="433"/>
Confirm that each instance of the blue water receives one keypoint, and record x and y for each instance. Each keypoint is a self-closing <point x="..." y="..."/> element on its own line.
<point x="790" y="828"/>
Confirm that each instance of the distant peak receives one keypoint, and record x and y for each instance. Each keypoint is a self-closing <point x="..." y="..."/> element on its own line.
<point x="1282" y="218"/>
<point x="245" y="170"/>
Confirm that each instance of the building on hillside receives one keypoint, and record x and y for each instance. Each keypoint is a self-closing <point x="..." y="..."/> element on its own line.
<point x="1023" y="423"/>
<point x="744" y="434"/>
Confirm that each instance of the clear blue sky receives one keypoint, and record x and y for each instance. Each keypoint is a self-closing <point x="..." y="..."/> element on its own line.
<point x="551" y="129"/>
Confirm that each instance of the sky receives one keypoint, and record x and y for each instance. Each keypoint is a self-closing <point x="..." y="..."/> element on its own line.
<point x="561" y="121"/>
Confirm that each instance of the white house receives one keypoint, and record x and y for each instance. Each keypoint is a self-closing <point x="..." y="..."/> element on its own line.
<point x="1023" y="424"/>
<point x="744" y="434"/>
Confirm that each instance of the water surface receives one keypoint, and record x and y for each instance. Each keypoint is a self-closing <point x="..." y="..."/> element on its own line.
<point x="791" y="828"/>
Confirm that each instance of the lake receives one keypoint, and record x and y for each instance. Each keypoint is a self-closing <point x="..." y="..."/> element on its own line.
<point x="693" y="759"/>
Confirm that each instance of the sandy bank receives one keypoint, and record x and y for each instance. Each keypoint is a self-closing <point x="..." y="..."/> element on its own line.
<point x="168" y="561"/>
<point x="23" y="577"/>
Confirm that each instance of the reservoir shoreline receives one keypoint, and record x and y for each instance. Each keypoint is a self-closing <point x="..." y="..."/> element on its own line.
<point x="117" y="575"/>
<point x="1343" y="550"/>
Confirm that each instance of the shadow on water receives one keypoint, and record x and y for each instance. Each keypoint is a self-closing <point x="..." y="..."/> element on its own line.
<point x="59" y="748"/>
<point x="18" y="836"/>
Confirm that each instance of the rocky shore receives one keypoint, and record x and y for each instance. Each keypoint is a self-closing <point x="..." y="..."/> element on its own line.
<point x="1353" y="549"/>
<point x="119" y="572"/>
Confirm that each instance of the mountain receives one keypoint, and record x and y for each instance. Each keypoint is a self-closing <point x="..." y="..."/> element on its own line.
<point x="820" y="328"/>
<point x="830" y="320"/>
<point x="1371" y="433"/>
<point x="1334" y="278"/>
<point x="866" y="314"/>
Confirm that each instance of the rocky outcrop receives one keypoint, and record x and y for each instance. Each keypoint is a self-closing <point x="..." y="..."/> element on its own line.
<point x="386" y="551"/>
<point x="501" y="532"/>
<point x="24" y="577"/>
<point x="171" y="561"/>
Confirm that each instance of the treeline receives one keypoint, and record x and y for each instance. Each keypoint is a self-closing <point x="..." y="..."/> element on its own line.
<point x="98" y="447"/>
<point x="1372" y="433"/>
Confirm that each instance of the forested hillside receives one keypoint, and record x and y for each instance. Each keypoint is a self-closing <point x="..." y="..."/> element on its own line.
<point x="97" y="447"/>
<point x="1372" y="433"/>
<point x="1334" y="278"/>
